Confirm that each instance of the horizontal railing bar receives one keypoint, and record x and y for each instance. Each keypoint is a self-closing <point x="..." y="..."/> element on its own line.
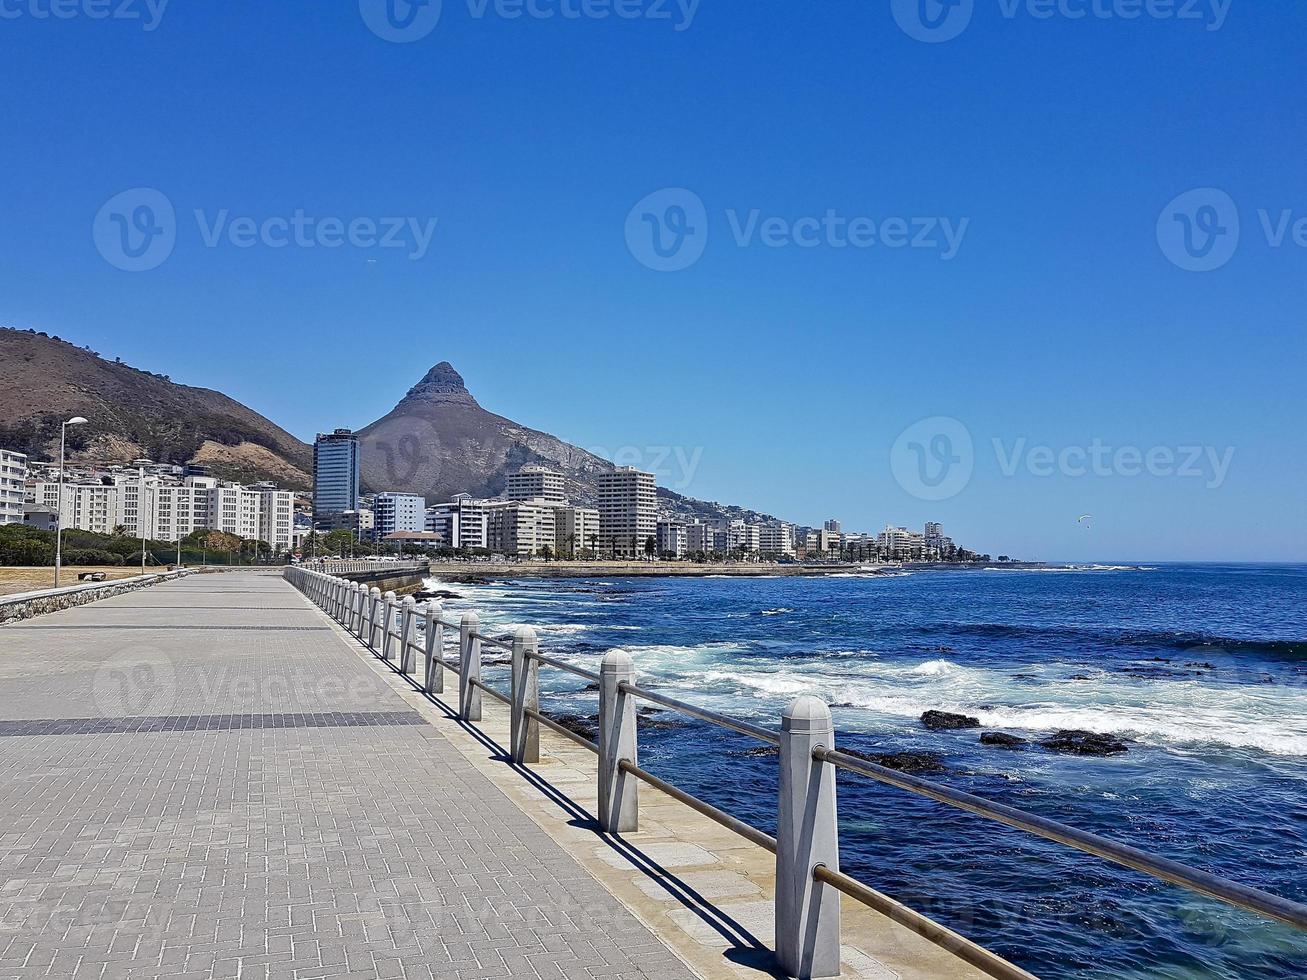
<point x="491" y="691"/>
<point x="578" y="671"/>
<point x="961" y="947"/>
<point x="734" y="724"/>
<point x="493" y="641"/>
<point x="747" y="831"/>
<point x="1213" y="886"/>
<point x="552" y="725"/>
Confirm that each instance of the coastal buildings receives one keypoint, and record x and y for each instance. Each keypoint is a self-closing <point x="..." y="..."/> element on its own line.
<point x="394" y="512"/>
<point x="335" y="473"/>
<point x="628" y="512"/>
<point x="776" y="539"/>
<point x="536" y="483"/>
<point x="276" y="516"/>
<point x="13" y="486"/>
<point x="671" y="539"/>
<point x="521" y="527"/>
<point x="699" y="538"/>
<point x="461" y="523"/>
<point x="576" y="530"/>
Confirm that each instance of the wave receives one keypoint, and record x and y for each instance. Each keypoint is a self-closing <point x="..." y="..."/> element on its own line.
<point x="1179" y="640"/>
<point x="780" y="610"/>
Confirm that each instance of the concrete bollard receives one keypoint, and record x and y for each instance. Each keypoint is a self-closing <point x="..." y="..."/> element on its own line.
<point x="408" y="634"/>
<point x="469" y="660"/>
<point x="434" y="679"/>
<point x="619" y="799"/>
<point x="525" y="737"/>
<point x="807" y="911"/>
<point x="374" y="616"/>
<point x="388" y="625"/>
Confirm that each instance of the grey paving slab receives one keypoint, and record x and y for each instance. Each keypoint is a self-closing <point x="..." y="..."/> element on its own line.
<point x="243" y="802"/>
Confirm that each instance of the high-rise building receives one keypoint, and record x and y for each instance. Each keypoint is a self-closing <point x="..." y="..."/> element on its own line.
<point x="536" y="483"/>
<point x="671" y="539"/>
<point x="576" y="529"/>
<point x="628" y="511"/>
<point x="335" y="473"/>
<point x="832" y="525"/>
<point x="698" y="538"/>
<point x="13" y="486"/>
<point x="180" y="510"/>
<point x="276" y="517"/>
<point x="777" y="539"/>
<point x="461" y="523"/>
<point x="521" y="527"/>
<point x="234" y="509"/>
<point x="398" y="512"/>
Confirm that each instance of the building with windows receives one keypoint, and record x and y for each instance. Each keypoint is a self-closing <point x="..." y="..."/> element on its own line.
<point x="276" y="517"/>
<point x="776" y="539"/>
<point x="521" y="527"/>
<point x="671" y="539"/>
<point x="180" y="510"/>
<point x="13" y="486"/>
<point x="394" y="512"/>
<point x="335" y="473"/>
<point x="628" y="512"/>
<point x="536" y="483"/>
<point x="234" y="509"/>
<point x="576" y="530"/>
<point x="461" y="523"/>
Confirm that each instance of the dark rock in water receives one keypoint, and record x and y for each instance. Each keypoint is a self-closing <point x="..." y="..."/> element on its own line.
<point x="912" y="762"/>
<point x="1202" y="665"/>
<point x="758" y="752"/>
<point x="1078" y="742"/>
<point x="592" y="687"/>
<point x="585" y="727"/>
<point x="423" y="596"/>
<point x="1003" y="740"/>
<point x="657" y="718"/>
<point x="1024" y="677"/>
<point x="1081" y="677"/>
<point x="946" y="721"/>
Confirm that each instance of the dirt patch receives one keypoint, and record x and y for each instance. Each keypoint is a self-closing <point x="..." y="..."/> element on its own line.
<point x="13" y="580"/>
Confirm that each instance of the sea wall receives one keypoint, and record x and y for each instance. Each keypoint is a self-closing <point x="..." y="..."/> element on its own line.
<point x="25" y="605"/>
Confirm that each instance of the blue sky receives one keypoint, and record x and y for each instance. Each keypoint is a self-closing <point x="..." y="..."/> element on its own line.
<point x="792" y="378"/>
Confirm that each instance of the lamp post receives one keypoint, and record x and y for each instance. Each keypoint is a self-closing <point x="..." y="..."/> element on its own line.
<point x="59" y="528"/>
<point x="140" y="516"/>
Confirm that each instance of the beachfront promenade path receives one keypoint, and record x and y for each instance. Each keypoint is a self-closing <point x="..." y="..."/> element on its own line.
<point x="201" y="779"/>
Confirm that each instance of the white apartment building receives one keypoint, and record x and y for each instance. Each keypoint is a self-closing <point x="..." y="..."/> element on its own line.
<point x="13" y="486"/>
<point x="536" y="483"/>
<point x="461" y="523"/>
<point x="180" y="510"/>
<point x="86" y="506"/>
<point x="276" y="517"/>
<point x="699" y="537"/>
<point x="234" y="509"/>
<point x="899" y="541"/>
<point x="576" y="529"/>
<point x="628" y="511"/>
<point x="671" y="539"/>
<point x="776" y="539"/>
<point x="393" y="512"/>
<point x="521" y="527"/>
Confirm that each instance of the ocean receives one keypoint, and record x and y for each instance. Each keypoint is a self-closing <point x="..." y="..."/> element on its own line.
<point x="1201" y="668"/>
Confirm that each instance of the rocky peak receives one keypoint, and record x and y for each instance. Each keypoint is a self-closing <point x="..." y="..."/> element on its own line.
<point x="442" y="384"/>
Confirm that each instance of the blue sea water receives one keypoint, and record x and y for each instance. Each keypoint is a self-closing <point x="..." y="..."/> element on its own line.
<point x="1202" y="667"/>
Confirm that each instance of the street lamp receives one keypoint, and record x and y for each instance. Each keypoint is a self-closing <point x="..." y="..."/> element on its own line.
<point x="59" y="527"/>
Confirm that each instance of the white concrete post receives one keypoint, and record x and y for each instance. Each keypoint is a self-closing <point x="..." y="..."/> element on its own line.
<point x="525" y="737"/>
<point x="408" y="634"/>
<point x="356" y="614"/>
<point x="342" y="600"/>
<point x="807" y="911"/>
<point x="434" y="679"/>
<point x="338" y="599"/>
<point x="389" y="625"/>
<point x="374" y="615"/>
<point x="619" y="799"/>
<point x="469" y="659"/>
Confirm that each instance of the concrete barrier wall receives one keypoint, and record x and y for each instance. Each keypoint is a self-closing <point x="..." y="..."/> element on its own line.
<point x="25" y="605"/>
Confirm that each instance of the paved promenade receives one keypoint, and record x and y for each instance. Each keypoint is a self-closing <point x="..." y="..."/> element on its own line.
<point x="201" y="779"/>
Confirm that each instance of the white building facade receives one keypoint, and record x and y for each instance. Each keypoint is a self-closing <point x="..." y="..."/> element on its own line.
<point x="628" y="512"/>
<point x="393" y="512"/>
<point x="13" y="486"/>
<point x="576" y="530"/>
<point x="536" y="483"/>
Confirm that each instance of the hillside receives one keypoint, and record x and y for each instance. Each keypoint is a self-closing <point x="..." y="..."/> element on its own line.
<point x="132" y="414"/>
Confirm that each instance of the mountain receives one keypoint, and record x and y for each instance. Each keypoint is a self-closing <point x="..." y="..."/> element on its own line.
<point x="439" y="441"/>
<point x="134" y="414"/>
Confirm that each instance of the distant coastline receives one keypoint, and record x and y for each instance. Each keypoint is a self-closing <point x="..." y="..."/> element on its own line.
<point x="464" y="571"/>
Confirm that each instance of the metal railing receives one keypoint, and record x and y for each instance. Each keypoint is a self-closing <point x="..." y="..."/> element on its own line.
<point x="356" y="566"/>
<point x="808" y="880"/>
